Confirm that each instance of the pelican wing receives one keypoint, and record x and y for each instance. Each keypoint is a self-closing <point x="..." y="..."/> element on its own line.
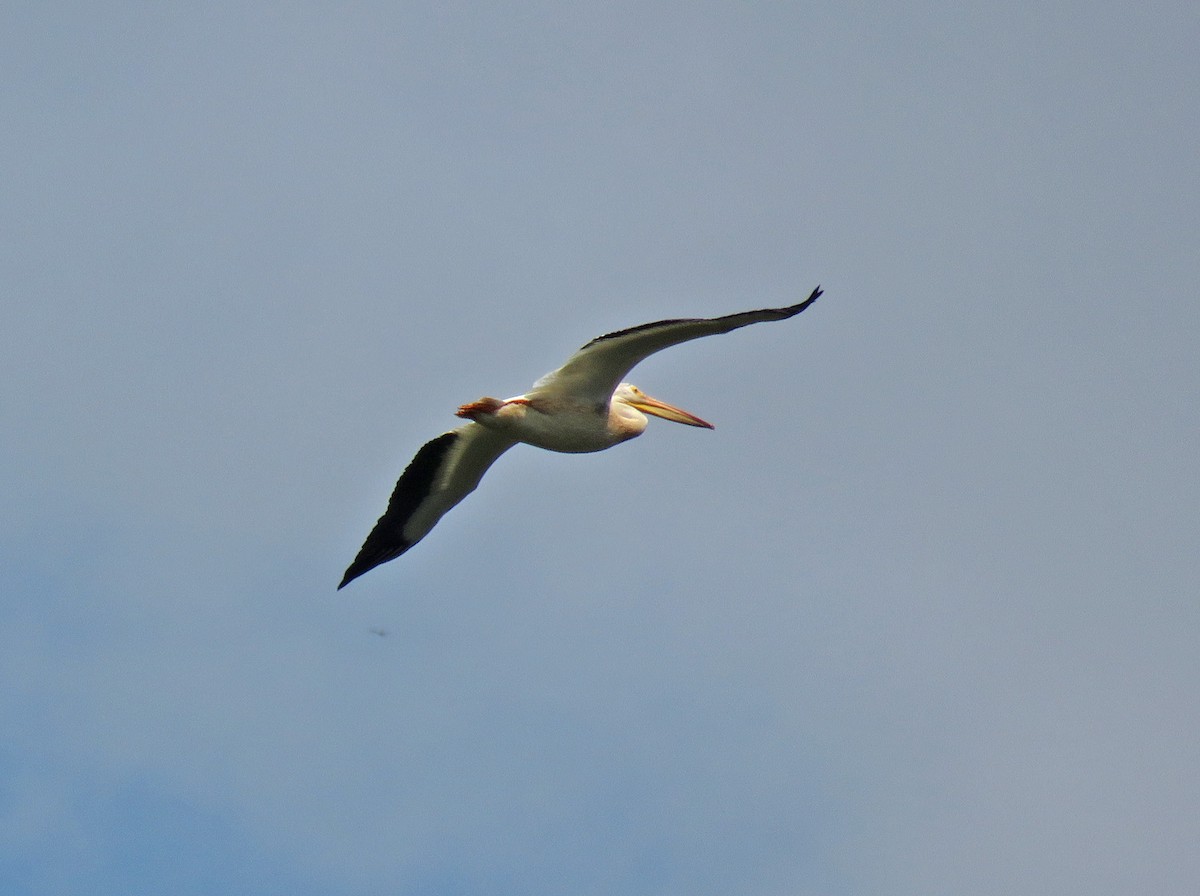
<point x="445" y="471"/>
<point x="593" y="372"/>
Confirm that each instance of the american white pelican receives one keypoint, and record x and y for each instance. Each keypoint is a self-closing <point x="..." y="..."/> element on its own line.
<point x="583" y="406"/>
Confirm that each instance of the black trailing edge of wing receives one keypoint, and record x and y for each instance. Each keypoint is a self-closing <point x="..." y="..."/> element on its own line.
<point x="386" y="541"/>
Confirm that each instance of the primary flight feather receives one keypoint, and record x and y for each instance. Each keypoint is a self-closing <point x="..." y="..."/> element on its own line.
<point x="580" y="407"/>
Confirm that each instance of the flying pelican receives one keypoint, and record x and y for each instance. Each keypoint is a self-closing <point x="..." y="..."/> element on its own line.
<point x="582" y="406"/>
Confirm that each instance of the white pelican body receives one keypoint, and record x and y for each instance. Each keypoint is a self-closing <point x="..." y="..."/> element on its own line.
<point x="564" y="423"/>
<point x="581" y="407"/>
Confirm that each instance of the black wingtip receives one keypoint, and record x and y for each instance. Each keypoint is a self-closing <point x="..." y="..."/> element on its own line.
<point x="363" y="564"/>
<point x="793" y="310"/>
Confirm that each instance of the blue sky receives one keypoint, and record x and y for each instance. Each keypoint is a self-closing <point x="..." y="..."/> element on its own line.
<point x="918" y="617"/>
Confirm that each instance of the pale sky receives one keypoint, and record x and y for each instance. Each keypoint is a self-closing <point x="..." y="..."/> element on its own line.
<point x="919" y="617"/>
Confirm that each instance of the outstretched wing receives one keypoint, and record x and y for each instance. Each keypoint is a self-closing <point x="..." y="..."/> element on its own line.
<point x="593" y="372"/>
<point x="445" y="471"/>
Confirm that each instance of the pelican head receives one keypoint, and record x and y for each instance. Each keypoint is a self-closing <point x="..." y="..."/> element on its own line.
<point x="631" y="396"/>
